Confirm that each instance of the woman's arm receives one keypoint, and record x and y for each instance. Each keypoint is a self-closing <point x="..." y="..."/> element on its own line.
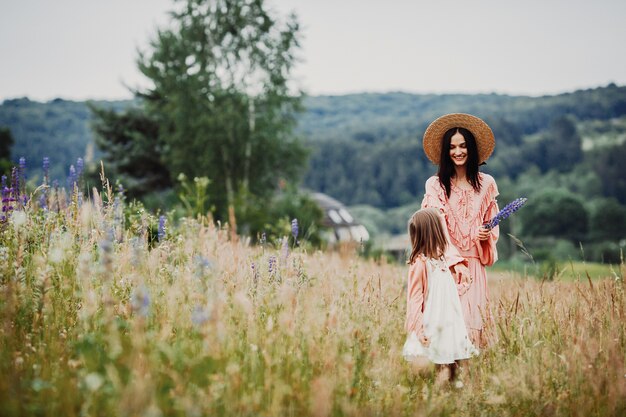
<point x="487" y="239"/>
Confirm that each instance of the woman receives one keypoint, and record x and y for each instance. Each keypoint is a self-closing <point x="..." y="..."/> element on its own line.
<point x="458" y="143"/>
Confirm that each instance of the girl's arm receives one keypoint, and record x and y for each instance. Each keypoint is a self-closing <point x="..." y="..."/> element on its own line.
<point x="416" y="290"/>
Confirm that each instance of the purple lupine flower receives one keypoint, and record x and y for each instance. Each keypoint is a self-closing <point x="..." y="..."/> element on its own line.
<point x="202" y="266"/>
<point x="271" y="265"/>
<point x="294" y="228"/>
<point x="6" y="202"/>
<point x="80" y="165"/>
<point x="4" y="181"/>
<point x="509" y="209"/>
<point x="161" y="231"/>
<point x="71" y="179"/>
<point x="15" y="184"/>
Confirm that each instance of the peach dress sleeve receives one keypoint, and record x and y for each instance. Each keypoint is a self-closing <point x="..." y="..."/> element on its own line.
<point x="417" y="287"/>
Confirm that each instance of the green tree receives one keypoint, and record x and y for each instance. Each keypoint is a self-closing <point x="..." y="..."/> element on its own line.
<point x="608" y="220"/>
<point x="555" y="212"/>
<point x="221" y="97"/>
<point x="564" y="146"/>
<point x="129" y="141"/>
<point x="6" y="143"/>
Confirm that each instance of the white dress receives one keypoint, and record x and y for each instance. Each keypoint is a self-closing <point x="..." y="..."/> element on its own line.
<point x="443" y="320"/>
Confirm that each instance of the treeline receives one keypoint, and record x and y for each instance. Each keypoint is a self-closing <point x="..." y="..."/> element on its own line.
<point x="366" y="148"/>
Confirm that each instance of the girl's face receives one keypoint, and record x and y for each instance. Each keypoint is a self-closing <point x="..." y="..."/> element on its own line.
<point x="458" y="149"/>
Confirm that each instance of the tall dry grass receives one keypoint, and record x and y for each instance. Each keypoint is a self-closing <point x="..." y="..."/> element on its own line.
<point x="95" y="322"/>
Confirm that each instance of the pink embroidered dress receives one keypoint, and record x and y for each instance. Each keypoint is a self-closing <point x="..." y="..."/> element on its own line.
<point x="464" y="212"/>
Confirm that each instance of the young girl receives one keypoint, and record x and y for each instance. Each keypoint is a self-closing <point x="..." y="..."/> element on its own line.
<point x="434" y="319"/>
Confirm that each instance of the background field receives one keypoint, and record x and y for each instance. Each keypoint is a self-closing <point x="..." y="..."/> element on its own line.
<point x="198" y="324"/>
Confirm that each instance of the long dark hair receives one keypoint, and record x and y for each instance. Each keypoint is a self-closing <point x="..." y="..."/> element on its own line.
<point x="446" y="166"/>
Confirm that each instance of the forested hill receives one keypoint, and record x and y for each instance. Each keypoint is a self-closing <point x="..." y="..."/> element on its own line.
<point x="350" y="137"/>
<point x="376" y="117"/>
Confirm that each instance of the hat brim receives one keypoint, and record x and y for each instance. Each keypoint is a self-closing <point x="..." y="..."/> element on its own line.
<point x="433" y="136"/>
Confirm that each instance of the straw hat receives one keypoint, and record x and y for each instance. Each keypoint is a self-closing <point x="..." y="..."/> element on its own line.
<point x="485" y="141"/>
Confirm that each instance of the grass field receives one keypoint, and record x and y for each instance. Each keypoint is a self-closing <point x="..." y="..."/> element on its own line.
<point x="95" y="321"/>
<point x="563" y="271"/>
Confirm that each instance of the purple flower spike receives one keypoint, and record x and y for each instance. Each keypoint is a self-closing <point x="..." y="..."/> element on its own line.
<point x="271" y="265"/>
<point x="509" y="209"/>
<point x="161" y="232"/>
<point x="294" y="228"/>
<point x="79" y="167"/>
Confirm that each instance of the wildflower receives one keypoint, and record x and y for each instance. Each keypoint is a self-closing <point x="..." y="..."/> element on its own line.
<point x="71" y="179"/>
<point x="161" y="231"/>
<point x="106" y="250"/>
<point x="272" y="265"/>
<point x="15" y="184"/>
<point x="140" y="301"/>
<point x="202" y="265"/>
<point x="199" y="315"/>
<point x="255" y="274"/>
<point x="93" y="381"/>
<point x="294" y="228"/>
<point x="509" y="209"/>
<point x="79" y="167"/>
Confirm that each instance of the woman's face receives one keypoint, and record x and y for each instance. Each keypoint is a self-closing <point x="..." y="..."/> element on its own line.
<point x="458" y="149"/>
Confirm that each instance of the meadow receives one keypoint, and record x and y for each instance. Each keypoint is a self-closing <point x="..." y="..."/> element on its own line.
<point x="99" y="318"/>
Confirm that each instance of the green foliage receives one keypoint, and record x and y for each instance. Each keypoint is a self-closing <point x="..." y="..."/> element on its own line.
<point x="6" y="143"/>
<point x="195" y="197"/>
<point x="129" y="144"/>
<point x="555" y="212"/>
<point x="220" y="74"/>
<point x="608" y="162"/>
<point x="607" y="220"/>
<point x="256" y="217"/>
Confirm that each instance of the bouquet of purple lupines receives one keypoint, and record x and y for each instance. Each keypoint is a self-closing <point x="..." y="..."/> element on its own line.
<point x="509" y="209"/>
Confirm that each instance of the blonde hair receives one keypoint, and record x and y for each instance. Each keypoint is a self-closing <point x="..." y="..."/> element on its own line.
<point x="427" y="234"/>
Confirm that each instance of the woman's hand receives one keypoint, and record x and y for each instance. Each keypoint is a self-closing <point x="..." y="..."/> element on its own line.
<point x="424" y="340"/>
<point x="483" y="233"/>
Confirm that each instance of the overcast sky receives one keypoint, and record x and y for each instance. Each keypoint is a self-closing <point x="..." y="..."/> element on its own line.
<point x="86" y="49"/>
